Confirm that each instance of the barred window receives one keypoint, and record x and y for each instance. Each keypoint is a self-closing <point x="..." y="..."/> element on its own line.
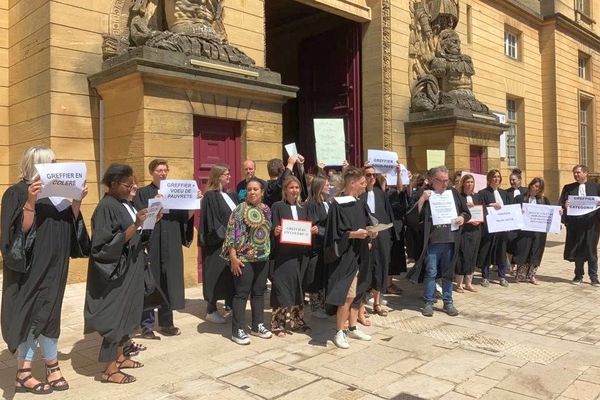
<point x="585" y="130"/>
<point x="511" y="43"/>
<point x="511" y="135"/>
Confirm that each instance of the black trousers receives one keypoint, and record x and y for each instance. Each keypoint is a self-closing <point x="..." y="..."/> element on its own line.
<point x="108" y="349"/>
<point x="251" y="283"/>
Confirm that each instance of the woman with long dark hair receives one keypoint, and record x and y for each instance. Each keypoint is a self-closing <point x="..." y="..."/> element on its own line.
<point x="38" y="237"/>
<point x="217" y="205"/>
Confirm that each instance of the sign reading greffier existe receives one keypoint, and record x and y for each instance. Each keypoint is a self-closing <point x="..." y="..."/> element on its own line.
<point x="296" y="232"/>
<point x="179" y="194"/>
<point x="62" y="180"/>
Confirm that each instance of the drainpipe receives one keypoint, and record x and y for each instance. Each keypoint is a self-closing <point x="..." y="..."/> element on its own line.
<point x="101" y="146"/>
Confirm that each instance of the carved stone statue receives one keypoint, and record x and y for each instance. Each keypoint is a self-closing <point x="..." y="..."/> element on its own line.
<point x="441" y="77"/>
<point x="192" y="27"/>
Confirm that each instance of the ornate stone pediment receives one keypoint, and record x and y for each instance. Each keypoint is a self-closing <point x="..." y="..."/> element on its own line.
<point x="192" y="27"/>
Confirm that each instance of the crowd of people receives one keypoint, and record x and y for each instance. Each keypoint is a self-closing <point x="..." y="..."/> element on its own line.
<point x="364" y="231"/>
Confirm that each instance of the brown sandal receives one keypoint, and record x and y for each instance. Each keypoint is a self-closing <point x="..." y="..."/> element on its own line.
<point x="379" y="311"/>
<point x="125" y="379"/>
<point x="134" y="364"/>
<point x="39" y="388"/>
<point x="59" y="384"/>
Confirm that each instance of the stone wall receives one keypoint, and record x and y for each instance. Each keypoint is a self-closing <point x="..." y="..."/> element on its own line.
<point x="4" y="142"/>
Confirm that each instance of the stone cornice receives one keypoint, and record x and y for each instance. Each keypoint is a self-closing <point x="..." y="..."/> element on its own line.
<point x="567" y="25"/>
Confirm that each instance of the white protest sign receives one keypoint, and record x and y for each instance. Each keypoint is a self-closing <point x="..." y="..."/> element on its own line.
<point x="541" y="218"/>
<point x="480" y="180"/>
<point x="508" y="218"/>
<point x="581" y="205"/>
<point x="330" y="140"/>
<point x="404" y="175"/>
<point x="179" y="194"/>
<point x="476" y="214"/>
<point x="380" y="227"/>
<point x="157" y="200"/>
<point x="443" y="208"/>
<point x="296" y="232"/>
<point x="384" y="162"/>
<point x="436" y="158"/>
<point x="62" y="180"/>
<point x="291" y="149"/>
<point x="152" y="215"/>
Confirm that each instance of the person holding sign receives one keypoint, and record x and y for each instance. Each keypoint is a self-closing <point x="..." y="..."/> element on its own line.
<point x="441" y="241"/>
<point x="38" y="237"/>
<point x="166" y="256"/>
<point x="217" y="205"/>
<point x="247" y="247"/>
<point x="278" y="174"/>
<point x="528" y="248"/>
<point x="381" y="209"/>
<point x="398" y="198"/>
<point x="289" y="263"/>
<point x="494" y="246"/>
<point x="581" y="244"/>
<point x="314" y="280"/>
<point x="346" y="250"/>
<point x="470" y="237"/>
<point x="114" y="294"/>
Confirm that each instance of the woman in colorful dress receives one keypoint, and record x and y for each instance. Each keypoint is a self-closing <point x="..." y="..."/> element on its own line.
<point x="247" y="247"/>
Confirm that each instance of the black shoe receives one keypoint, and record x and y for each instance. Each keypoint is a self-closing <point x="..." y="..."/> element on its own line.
<point x="450" y="309"/>
<point x="576" y="281"/>
<point x="427" y="310"/>
<point x="595" y="282"/>
<point x="169" y="330"/>
<point x="150" y="335"/>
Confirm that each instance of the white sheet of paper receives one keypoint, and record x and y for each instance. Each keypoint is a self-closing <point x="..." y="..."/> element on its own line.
<point x="330" y="140"/>
<point x="379" y="227"/>
<point x="480" y="180"/>
<point x="179" y="194"/>
<point x="476" y="214"/>
<point x="508" y="218"/>
<point x="345" y="199"/>
<point x="62" y="179"/>
<point x="60" y="203"/>
<point x="153" y="211"/>
<point x="291" y="149"/>
<point x="157" y="200"/>
<point x="296" y="232"/>
<point x="582" y="205"/>
<point x="404" y="175"/>
<point x="541" y="218"/>
<point x="384" y="162"/>
<point x="443" y="208"/>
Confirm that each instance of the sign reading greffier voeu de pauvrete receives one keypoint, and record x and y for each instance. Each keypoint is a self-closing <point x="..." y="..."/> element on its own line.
<point x="330" y="140"/>
<point x="179" y="194"/>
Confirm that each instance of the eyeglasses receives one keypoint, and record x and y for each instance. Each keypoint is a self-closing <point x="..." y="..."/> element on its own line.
<point x="442" y="180"/>
<point x="127" y="185"/>
<point x="370" y="175"/>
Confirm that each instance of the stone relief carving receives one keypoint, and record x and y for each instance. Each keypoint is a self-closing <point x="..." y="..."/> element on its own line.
<point x="441" y="75"/>
<point x="192" y="27"/>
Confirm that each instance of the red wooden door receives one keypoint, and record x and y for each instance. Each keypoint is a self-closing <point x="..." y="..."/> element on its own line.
<point x="476" y="159"/>
<point x="331" y="88"/>
<point x="216" y="141"/>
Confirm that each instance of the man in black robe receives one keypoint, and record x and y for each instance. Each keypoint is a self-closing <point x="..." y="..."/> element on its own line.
<point x="380" y="208"/>
<point x="581" y="244"/>
<point x="250" y="172"/>
<point x="278" y="173"/>
<point x="176" y="228"/>
<point x="440" y="242"/>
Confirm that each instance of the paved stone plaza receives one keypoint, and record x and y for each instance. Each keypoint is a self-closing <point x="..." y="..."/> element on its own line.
<point x="521" y="342"/>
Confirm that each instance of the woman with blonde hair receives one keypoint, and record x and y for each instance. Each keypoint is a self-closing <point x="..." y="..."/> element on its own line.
<point x="470" y="238"/>
<point x="289" y="262"/>
<point x="217" y="205"/>
<point x="38" y="237"/>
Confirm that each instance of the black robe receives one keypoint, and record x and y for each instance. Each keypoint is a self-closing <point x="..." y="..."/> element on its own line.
<point x="399" y="202"/>
<point x="288" y="261"/>
<point x="346" y="257"/>
<point x="511" y="192"/>
<point x="528" y="247"/>
<point x="315" y="277"/>
<point x="274" y="188"/>
<point x="382" y="245"/>
<point x="582" y="231"/>
<point x="469" y="244"/>
<point x="166" y="256"/>
<point x="217" y="279"/>
<point x="494" y="246"/>
<point x="114" y="295"/>
<point x="422" y="223"/>
<point x="414" y="241"/>
<point x="33" y="300"/>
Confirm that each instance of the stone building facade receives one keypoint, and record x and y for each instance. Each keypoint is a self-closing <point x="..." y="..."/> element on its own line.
<point x="536" y="62"/>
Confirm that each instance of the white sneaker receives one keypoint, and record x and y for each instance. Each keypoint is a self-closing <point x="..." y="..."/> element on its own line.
<point x="262" y="332"/>
<point x="241" y="337"/>
<point x="340" y="340"/>
<point x="320" y="314"/>
<point x="215" y="318"/>
<point x="358" y="334"/>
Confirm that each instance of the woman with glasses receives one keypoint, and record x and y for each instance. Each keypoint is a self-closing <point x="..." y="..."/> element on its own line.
<point x="114" y="297"/>
<point x="493" y="245"/>
<point x="247" y="247"/>
<point x="38" y="237"/>
<point x="217" y="205"/>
